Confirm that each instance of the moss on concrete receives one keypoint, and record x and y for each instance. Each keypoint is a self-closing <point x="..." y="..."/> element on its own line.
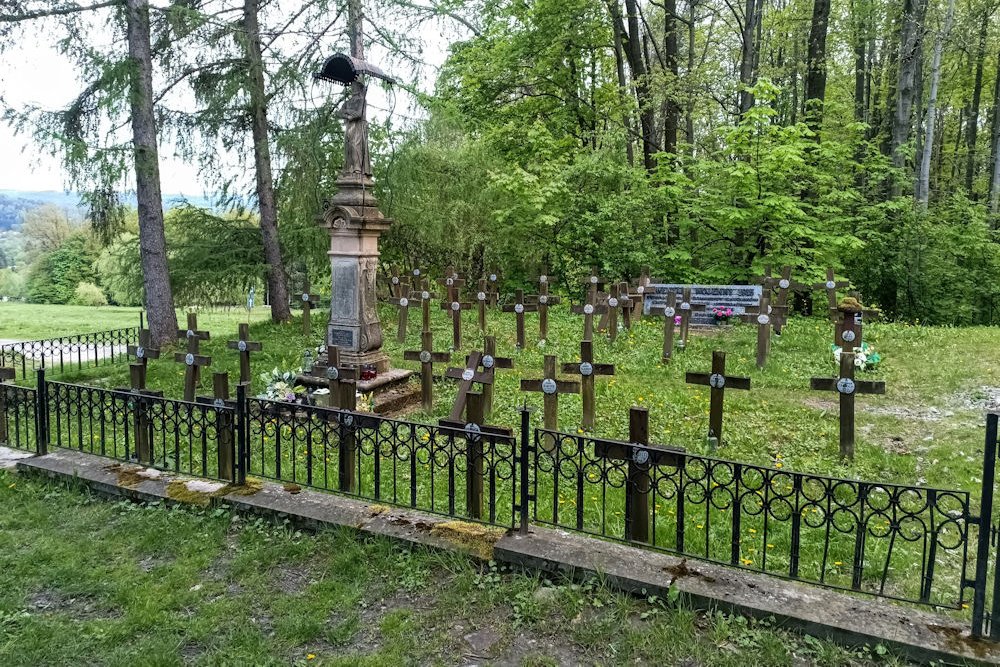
<point x="473" y="537"/>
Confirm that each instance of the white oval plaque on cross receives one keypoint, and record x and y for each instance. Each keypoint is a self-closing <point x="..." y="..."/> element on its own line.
<point x="586" y="369"/>
<point x="549" y="386"/>
<point x="783" y="284"/>
<point x="425" y="295"/>
<point x="830" y="284"/>
<point x="640" y="456"/>
<point x="763" y="319"/>
<point x="190" y="333"/>
<point x="717" y="381"/>
<point x="845" y="386"/>
<point x="395" y="280"/>
<point x="305" y="297"/>
<point x="189" y="359"/>
<point x="241" y="346"/>
<point x="518" y="308"/>
<point x="613" y="302"/>
<point x="640" y="289"/>
<point x="593" y="280"/>
<point x="848" y="336"/>
<point x="473" y="431"/>
<point x="468" y="374"/>
<point x="588" y="310"/>
<point x="481" y="296"/>
<point x="488" y="361"/>
<point x="493" y="277"/>
<point x="404" y="302"/>
<point x="543" y="279"/>
<point x="456" y="306"/>
<point x="219" y="403"/>
<point x="416" y="272"/>
<point x="449" y="281"/>
<point x="669" y="312"/>
<point x="425" y="356"/>
<point x="685" y="306"/>
<point x="543" y="299"/>
<point x="140" y="352"/>
<point x="332" y="373"/>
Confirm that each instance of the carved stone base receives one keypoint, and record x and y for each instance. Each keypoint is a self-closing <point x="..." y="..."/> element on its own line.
<point x="358" y="359"/>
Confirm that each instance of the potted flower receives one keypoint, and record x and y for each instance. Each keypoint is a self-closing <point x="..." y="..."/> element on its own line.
<point x="722" y="314"/>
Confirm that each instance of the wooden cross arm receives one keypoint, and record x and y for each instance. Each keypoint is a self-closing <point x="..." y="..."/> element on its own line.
<point x="597" y="310"/>
<point x="528" y="308"/>
<point x="661" y="311"/>
<point x="692" y="306"/>
<point x="597" y="369"/>
<point x="562" y="386"/>
<point x="436" y="357"/>
<point x="500" y="431"/>
<point x="831" y="284"/>
<point x="209" y="400"/>
<point x="405" y="301"/>
<point x="625" y="451"/>
<point x="147" y="352"/>
<point x="458" y="373"/>
<point x="7" y="374"/>
<point x="450" y="305"/>
<point x="731" y="382"/>
<point x="196" y="359"/>
<point x="549" y="299"/>
<point x="343" y="373"/>
<point x="311" y="299"/>
<point x="860" y="386"/>
<point x="193" y="333"/>
<point x="249" y="346"/>
<point x="451" y="282"/>
<point x="498" y="362"/>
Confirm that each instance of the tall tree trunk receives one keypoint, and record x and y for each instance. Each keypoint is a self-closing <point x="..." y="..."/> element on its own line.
<point x="632" y="45"/>
<point x="623" y="91"/>
<point x="159" y="298"/>
<point x="994" y="133"/>
<point x="689" y="112"/>
<point x="670" y="52"/>
<point x="816" y="64"/>
<point x="860" y="63"/>
<point x="906" y="82"/>
<point x="972" y="129"/>
<point x="277" y="279"/>
<point x="930" y="117"/>
<point x="748" y="53"/>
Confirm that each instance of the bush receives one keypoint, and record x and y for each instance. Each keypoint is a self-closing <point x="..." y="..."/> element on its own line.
<point x="88" y="294"/>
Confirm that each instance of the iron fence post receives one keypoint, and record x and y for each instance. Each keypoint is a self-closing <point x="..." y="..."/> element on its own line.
<point x="242" y="429"/>
<point x="41" y="414"/>
<point x="985" y="519"/>
<point x="523" y="460"/>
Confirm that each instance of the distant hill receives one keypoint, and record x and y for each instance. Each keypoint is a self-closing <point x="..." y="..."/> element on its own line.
<point x="15" y="202"/>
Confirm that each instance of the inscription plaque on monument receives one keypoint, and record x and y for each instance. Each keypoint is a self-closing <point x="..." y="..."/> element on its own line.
<point x="737" y="297"/>
<point x="340" y="337"/>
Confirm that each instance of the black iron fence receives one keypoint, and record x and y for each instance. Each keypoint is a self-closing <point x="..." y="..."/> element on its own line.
<point x="908" y="543"/>
<point x="68" y="352"/>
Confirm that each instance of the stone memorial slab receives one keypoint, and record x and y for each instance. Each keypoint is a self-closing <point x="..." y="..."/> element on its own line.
<point x="737" y="297"/>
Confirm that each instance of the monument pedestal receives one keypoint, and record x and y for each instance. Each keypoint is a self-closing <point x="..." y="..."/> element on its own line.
<point x="355" y="223"/>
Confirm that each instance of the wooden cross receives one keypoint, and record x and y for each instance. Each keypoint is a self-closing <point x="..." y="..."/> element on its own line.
<point x="551" y="386"/>
<point x="427" y="358"/>
<point x="831" y="286"/>
<point x="609" y="312"/>
<point x="466" y="377"/>
<point x="455" y="308"/>
<point x="494" y="291"/>
<point x="639" y="295"/>
<point x="425" y="297"/>
<point x="397" y="286"/>
<point x="668" y="312"/>
<point x="483" y="299"/>
<point x="847" y="387"/>
<point x="224" y="426"/>
<point x="191" y="358"/>
<point x="587" y="370"/>
<point x="543" y="300"/>
<point x="474" y="429"/>
<point x="762" y="316"/>
<point x="719" y="382"/>
<point x="686" y="308"/>
<point x="625" y="293"/>
<point x="192" y="333"/>
<point x="143" y="350"/>
<point x="586" y="309"/>
<point x="641" y="457"/>
<point x="142" y="435"/>
<point x="309" y="301"/>
<point x="6" y="375"/>
<point x="404" y="303"/>
<point x="341" y="380"/>
<point x="784" y="284"/>
<point x="849" y="323"/>
<point x="452" y="283"/>
<point x="489" y="362"/>
<point x="244" y="346"/>
<point x="594" y="285"/>
<point x="519" y="308"/>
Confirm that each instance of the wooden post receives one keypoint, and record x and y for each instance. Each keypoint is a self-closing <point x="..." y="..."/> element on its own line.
<point x="494" y="291"/>
<point x="519" y="308"/>
<point x="609" y="314"/>
<point x="474" y="456"/>
<point x="341" y="380"/>
<point x="141" y="427"/>
<point x="762" y="316"/>
<point x="719" y="382"/>
<point x="225" y="433"/>
<point x="427" y="358"/>
<point x="244" y="346"/>
<point x="309" y="301"/>
<point x="831" y="286"/>
<point x="669" y="313"/>
<point x="847" y="387"/>
<point x="543" y="300"/>
<point x="489" y="363"/>
<point x="551" y="387"/>
<point x="466" y="378"/>
<point x="482" y="302"/>
<point x="6" y="375"/>
<point x="143" y="350"/>
<point x="404" y="302"/>
<point x="192" y="337"/>
<point x="455" y="308"/>
<point x="587" y="310"/>
<point x="686" y="308"/>
<point x="587" y="370"/>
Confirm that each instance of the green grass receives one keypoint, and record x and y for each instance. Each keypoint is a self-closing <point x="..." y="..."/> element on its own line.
<point x="86" y="581"/>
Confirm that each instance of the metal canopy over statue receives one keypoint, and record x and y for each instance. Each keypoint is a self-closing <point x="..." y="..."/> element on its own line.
<point x="352" y="215"/>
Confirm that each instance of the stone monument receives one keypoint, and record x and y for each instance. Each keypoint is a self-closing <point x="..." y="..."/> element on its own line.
<point x="352" y="216"/>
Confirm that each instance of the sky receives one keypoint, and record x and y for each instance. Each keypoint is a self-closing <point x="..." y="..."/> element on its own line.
<point x="35" y="73"/>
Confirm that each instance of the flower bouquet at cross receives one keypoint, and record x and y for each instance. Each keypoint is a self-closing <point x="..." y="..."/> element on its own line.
<point x="866" y="358"/>
<point x="280" y="386"/>
<point x="722" y="314"/>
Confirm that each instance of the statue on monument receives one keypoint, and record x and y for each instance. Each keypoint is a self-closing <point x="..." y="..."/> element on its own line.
<point x="357" y="160"/>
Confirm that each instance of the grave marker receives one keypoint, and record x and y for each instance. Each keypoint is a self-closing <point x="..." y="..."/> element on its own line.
<point x="341" y="380"/>
<point x="483" y="299"/>
<point x="224" y="425"/>
<point x="244" y="346"/>
<point x="686" y="308"/>
<point x="638" y="295"/>
<point x="309" y="301"/>
<point x="831" y="286"/>
<point x="490" y="362"/>
<point x="454" y="307"/>
<point x="719" y="382"/>
<point x="669" y="313"/>
<point x="587" y="370"/>
<point x="609" y="312"/>
<point x="551" y="386"/>
<point x="143" y="351"/>
<point x="403" y="304"/>
<point x="397" y="286"/>
<point x="586" y="309"/>
<point x="762" y="316"/>
<point x="466" y="377"/>
<point x="142" y="432"/>
<point x="6" y="375"/>
<point x="849" y="325"/>
<point x="519" y="308"/>
<point x="641" y="457"/>
<point x="543" y="300"/>
<point x="191" y="358"/>
<point x="847" y="387"/>
<point x="494" y="291"/>
<point x="594" y="284"/>
<point x="427" y="358"/>
<point x="784" y="285"/>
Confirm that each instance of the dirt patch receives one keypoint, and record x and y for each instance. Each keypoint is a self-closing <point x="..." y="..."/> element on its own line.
<point x="981" y="399"/>
<point x="82" y="607"/>
<point x="824" y="404"/>
<point x="528" y="649"/>
<point x="292" y="579"/>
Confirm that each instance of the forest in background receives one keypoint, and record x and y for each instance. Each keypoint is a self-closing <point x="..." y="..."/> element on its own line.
<point x="702" y="138"/>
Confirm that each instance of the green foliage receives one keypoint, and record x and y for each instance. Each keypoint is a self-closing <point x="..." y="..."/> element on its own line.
<point x="12" y="284"/>
<point x="88" y="294"/>
<point x="55" y="276"/>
